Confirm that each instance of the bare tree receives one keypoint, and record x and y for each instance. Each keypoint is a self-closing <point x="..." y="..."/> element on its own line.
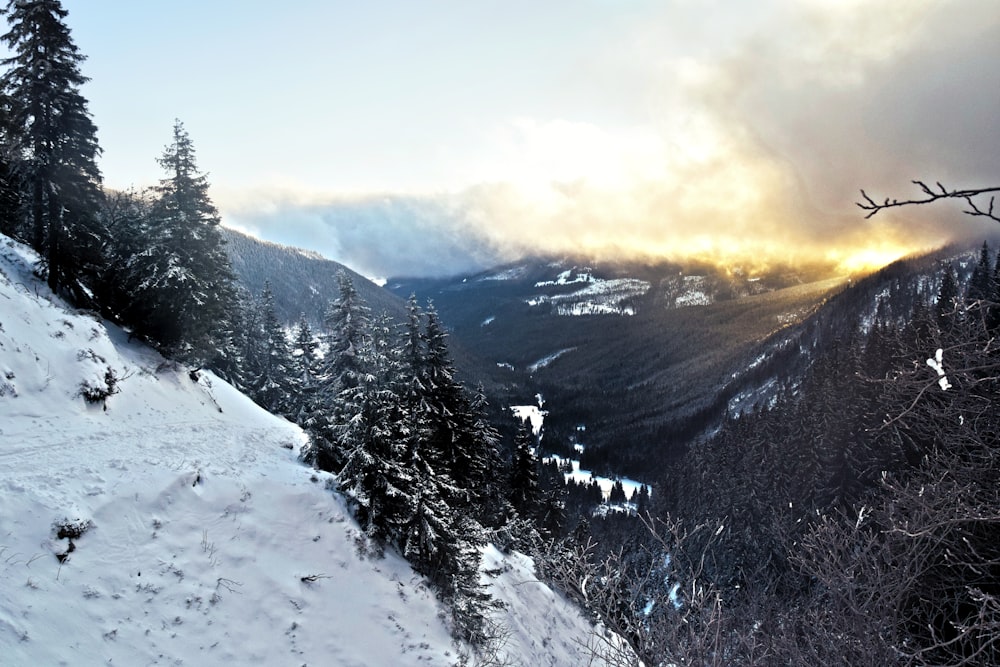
<point x="662" y="608"/>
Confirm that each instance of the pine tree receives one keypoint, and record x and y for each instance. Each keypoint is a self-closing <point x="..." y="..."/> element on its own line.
<point x="271" y="386"/>
<point x="305" y="367"/>
<point x="981" y="282"/>
<point x="11" y="222"/>
<point x="124" y="216"/>
<point x="245" y="346"/>
<point x="456" y="433"/>
<point x="54" y="144"/>
<point x="376" y="477"/>
<point x="489" y="495"/>
<point x="348" y="333"/>
<point x="617" y="495"/>
<point x="640" y="498"/>
<point x="524" y="494"/>
<point x="947" y="299"/>
<point x="184" y="285"/>
<point x="993" y="311"/>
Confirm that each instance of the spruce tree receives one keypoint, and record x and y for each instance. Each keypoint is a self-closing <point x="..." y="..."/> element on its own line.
<point x="524" y="494"/>
<point x="947" y="299"/>
<point x="348" y="332"/>
<point x="640" y="498"/>
<point x="304" y="369"/>
<point x="456" y="433"/>
<point x="124" y="216"/>
<point x="271" y="387"/>
<point x="53" y="143"/>
<point x="184" y="286"/>
<point x="617" y="495"/>
<point x="981" y="282"/>
<point x="993" y="310"/>
<point x="375" y="476"/>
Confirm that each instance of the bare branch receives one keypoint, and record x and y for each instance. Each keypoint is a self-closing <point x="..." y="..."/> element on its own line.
<point x="974" y="207"/>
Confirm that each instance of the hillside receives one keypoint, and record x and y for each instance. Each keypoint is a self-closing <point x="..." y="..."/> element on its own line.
<point x="301" y="281"/>
<point x="168" y="520"/>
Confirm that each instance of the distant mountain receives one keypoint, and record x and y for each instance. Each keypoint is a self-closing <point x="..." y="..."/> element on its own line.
<point x="638" y="354"/>
<point x="301" y="280"/>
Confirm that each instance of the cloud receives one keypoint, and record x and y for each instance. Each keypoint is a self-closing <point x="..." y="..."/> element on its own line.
<point x="377" y="235"/>
<point x="756" y="132"/>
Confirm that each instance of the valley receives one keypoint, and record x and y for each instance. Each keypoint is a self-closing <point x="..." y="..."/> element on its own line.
<point x="648" y="357"/>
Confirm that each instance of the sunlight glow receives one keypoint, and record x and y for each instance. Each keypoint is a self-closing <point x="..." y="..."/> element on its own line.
<point x="868" y="259"/>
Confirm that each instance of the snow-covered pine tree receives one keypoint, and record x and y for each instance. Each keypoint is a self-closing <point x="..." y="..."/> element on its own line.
<point x="455" y="432"/>
<point x="375" y="477"/>
<point x="490" y="496"/>
<point x="305" y="368"/>
<point x="53" y="144"/>
<point x="244" y="352"/>
<point x="271" y="385"/>
<point x="443" y="531"/>
<point x="347" y="333"/>
<point x="123" y="216"/>
<point x="184" y="283"/>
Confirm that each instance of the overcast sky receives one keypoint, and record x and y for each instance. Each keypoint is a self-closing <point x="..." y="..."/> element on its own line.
<point x="427" y="136"/>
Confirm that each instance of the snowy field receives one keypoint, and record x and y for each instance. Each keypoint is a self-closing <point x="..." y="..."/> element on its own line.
<point x="598" y="297"/>
<point x="172" y="524"/>
<point x="536" y="416"/>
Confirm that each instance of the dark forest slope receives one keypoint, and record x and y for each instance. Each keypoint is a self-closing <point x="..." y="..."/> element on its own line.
<point x="302" y="281"/>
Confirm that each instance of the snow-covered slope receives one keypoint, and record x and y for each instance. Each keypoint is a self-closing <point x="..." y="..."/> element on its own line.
<point x="172" y="523"/>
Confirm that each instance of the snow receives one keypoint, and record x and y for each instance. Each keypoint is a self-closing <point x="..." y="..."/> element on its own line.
<point x="512" y="273"/>
<point x="488" y="321"/>
<point x="937" y="363"/>
<point x="545" y="361"/>
<point x="599" y="297"/>
<point x="533" y="414"/>
<point x="569" y="277"/>
<point x="586" y="476"/>
<point x="537" y="415"/>
<point x="695" y="292"/>
<point x="208" y="541"/>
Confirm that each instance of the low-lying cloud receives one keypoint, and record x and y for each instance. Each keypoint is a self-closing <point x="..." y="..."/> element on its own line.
<point x="751" y="152"/>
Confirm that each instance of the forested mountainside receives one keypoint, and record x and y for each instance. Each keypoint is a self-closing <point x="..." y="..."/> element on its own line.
<point x="644" y="356"/>
<point x="850" y="518"/>
<point x="301" y="282"/>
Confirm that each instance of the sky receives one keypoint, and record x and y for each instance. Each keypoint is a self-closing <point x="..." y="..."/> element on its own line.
<point x="417" y="138"/>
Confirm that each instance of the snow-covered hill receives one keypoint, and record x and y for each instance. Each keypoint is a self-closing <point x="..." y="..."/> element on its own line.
<point x="172" y="523"/>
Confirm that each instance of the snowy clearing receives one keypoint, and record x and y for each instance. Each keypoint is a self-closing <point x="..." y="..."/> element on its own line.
<point x="599" y="297"/>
